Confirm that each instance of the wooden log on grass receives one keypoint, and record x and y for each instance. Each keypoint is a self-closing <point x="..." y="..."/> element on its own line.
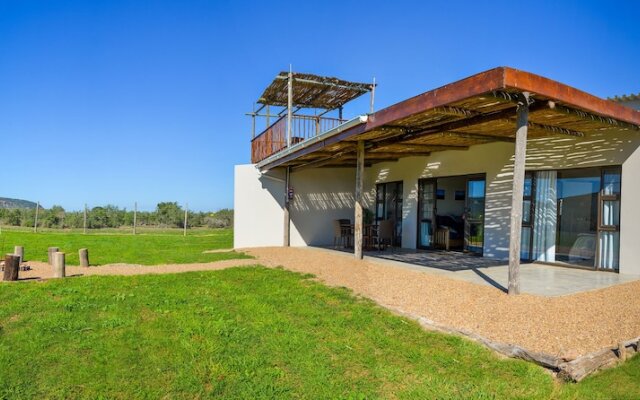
<point x="11" y="267"/>
<point x="58" y="265"/>
<point x="19" y="251"/>
<point x="50" y="252"/>
<point x="84" y="257"/>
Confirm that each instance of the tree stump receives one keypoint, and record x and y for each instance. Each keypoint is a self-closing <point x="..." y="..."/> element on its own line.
<point x="84" y="257"/>
<point x="11" y="267"/>
<point x="58" y="265"/>
<point x="51" y="250"/>
<point x="19" y="251"/>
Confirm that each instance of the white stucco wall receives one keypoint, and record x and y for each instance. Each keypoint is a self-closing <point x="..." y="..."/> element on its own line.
<point x="257" y="204"/>
<point x="321" y="195"/>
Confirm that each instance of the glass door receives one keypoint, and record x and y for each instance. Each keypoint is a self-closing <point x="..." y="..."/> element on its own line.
<point x="577" y="207"/>
<point x="474" y="215"/>
<point x="389" y="206"/>
<point x="426" y="212"/>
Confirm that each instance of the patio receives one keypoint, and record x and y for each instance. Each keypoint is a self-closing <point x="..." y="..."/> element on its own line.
<point x="536" y="279"/>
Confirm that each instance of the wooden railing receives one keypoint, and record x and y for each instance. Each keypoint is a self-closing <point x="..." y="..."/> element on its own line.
<point x="274" y="138"/>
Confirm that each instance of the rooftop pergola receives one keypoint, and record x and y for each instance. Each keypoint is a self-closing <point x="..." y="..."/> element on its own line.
<point x="499" y="105"/>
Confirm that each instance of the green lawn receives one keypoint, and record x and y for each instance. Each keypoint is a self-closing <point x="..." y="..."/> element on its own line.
<point x="148" y="248"/>
<point x="247" y="333"/>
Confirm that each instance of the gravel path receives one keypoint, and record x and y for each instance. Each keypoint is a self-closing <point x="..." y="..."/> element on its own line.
<point x="566" y="326"/>
<point x="42" y="270"/>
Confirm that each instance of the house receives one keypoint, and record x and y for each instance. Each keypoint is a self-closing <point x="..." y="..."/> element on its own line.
<point x="462" y="161"/>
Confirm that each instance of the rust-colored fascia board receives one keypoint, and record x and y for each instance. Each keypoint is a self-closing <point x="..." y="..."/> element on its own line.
<point x="474" y="85"/>
<point x="572" y="97"/>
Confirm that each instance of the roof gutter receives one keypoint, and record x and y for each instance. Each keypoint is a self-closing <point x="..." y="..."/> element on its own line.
<point x="361" y="119"/>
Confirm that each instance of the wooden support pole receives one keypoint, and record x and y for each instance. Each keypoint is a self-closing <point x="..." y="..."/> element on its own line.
<point x="19" y="252"/>
<point x="135" y="216"/>
<point x="11" y="267"/>
<point x="50" y="252"/>
<point x="287" y="217"/>
<point x="84" y="229"/>
<point x="289" y="106"/>
<point x="517" y="193"/>
<point x="35" y="224"/>
<point x="268" y="119"/>
<point x="83" y="254"/>
<point x="59" y="265"/>
<point x="357" y="242"/>
<point x="373" y="95"/>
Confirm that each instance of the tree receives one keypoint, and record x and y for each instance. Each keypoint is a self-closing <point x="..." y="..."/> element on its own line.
<point x="169" y="214"/>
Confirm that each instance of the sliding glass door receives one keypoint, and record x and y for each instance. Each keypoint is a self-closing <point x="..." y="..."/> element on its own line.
<point x="389" y="206"/>
<point x="426" y="212"/>
<point x="573" y="217"/>
<point x="474" y="215"/>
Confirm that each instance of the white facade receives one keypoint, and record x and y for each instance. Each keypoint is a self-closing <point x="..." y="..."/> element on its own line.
<point x="322" y="195"/>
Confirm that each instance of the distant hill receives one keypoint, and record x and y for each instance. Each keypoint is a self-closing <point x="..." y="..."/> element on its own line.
<point x="16" y="203"/>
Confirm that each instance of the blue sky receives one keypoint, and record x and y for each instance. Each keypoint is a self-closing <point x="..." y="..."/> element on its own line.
<point x="111" y="102"/>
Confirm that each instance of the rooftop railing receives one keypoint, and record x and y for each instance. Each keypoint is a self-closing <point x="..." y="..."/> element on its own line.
<point x="303" y="127"/>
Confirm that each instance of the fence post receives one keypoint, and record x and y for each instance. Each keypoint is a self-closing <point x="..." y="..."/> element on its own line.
<point x="58" y="265"/>
<point x="84" y="230"/>
<point x="135" y="216"/>
<point x="35" y="224"/>
<point x="186" y="211"/>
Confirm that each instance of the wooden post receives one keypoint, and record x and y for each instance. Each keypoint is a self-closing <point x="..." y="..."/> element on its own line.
<point x="84" y="230"/>
<point x="373" y="95"/>
<point x="135" y="216"/>
<point x="517" y="193"/>
<point x="58" y="265"/>
<point x="268" y="119"/>
<point x="289" y="105"/>
<point x="35" y="224"/>
<point x="11" y="267"/>
<point x="50" y="252"/>
<point x="253" y="122"/>
<point x="287" y="218"/>
<point x="84" y="257"/>
<point x="19" y="252"/>
<point x="186" y="211"/>
<point x="357" y="242"/>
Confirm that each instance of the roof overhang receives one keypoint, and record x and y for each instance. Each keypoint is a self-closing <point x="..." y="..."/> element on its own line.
<point x="475" y="110"/>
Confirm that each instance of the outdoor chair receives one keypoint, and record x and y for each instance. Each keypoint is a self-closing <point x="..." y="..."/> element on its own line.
<point x="384" y="234"/>
<point x="341" y="233"/>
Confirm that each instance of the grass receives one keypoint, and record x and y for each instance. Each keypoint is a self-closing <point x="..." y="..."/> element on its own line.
<point x="243" y="333"/>
<point x="113" y="246"/>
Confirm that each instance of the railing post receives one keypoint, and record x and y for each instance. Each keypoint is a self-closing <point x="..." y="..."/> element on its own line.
<point x="317" y="126"/>
<point x="289" y="106"/>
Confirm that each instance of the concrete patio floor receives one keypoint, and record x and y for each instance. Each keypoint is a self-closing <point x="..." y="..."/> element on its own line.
<point x="537" y="279"/>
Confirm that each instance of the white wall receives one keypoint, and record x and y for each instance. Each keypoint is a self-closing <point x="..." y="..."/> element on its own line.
<point x="321" y="195"/>
<point x="257" y="205"/>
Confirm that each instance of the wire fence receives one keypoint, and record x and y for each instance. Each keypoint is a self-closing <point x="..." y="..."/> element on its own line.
<point x="168" y="215"/>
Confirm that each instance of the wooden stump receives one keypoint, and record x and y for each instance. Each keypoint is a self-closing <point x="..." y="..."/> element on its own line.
<point x="84" y="257"/>
<point x="51" y="250"/>
<point x="19" y="251"/>
<point x="11" y="267"/>
<point x="58" y="265"/>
